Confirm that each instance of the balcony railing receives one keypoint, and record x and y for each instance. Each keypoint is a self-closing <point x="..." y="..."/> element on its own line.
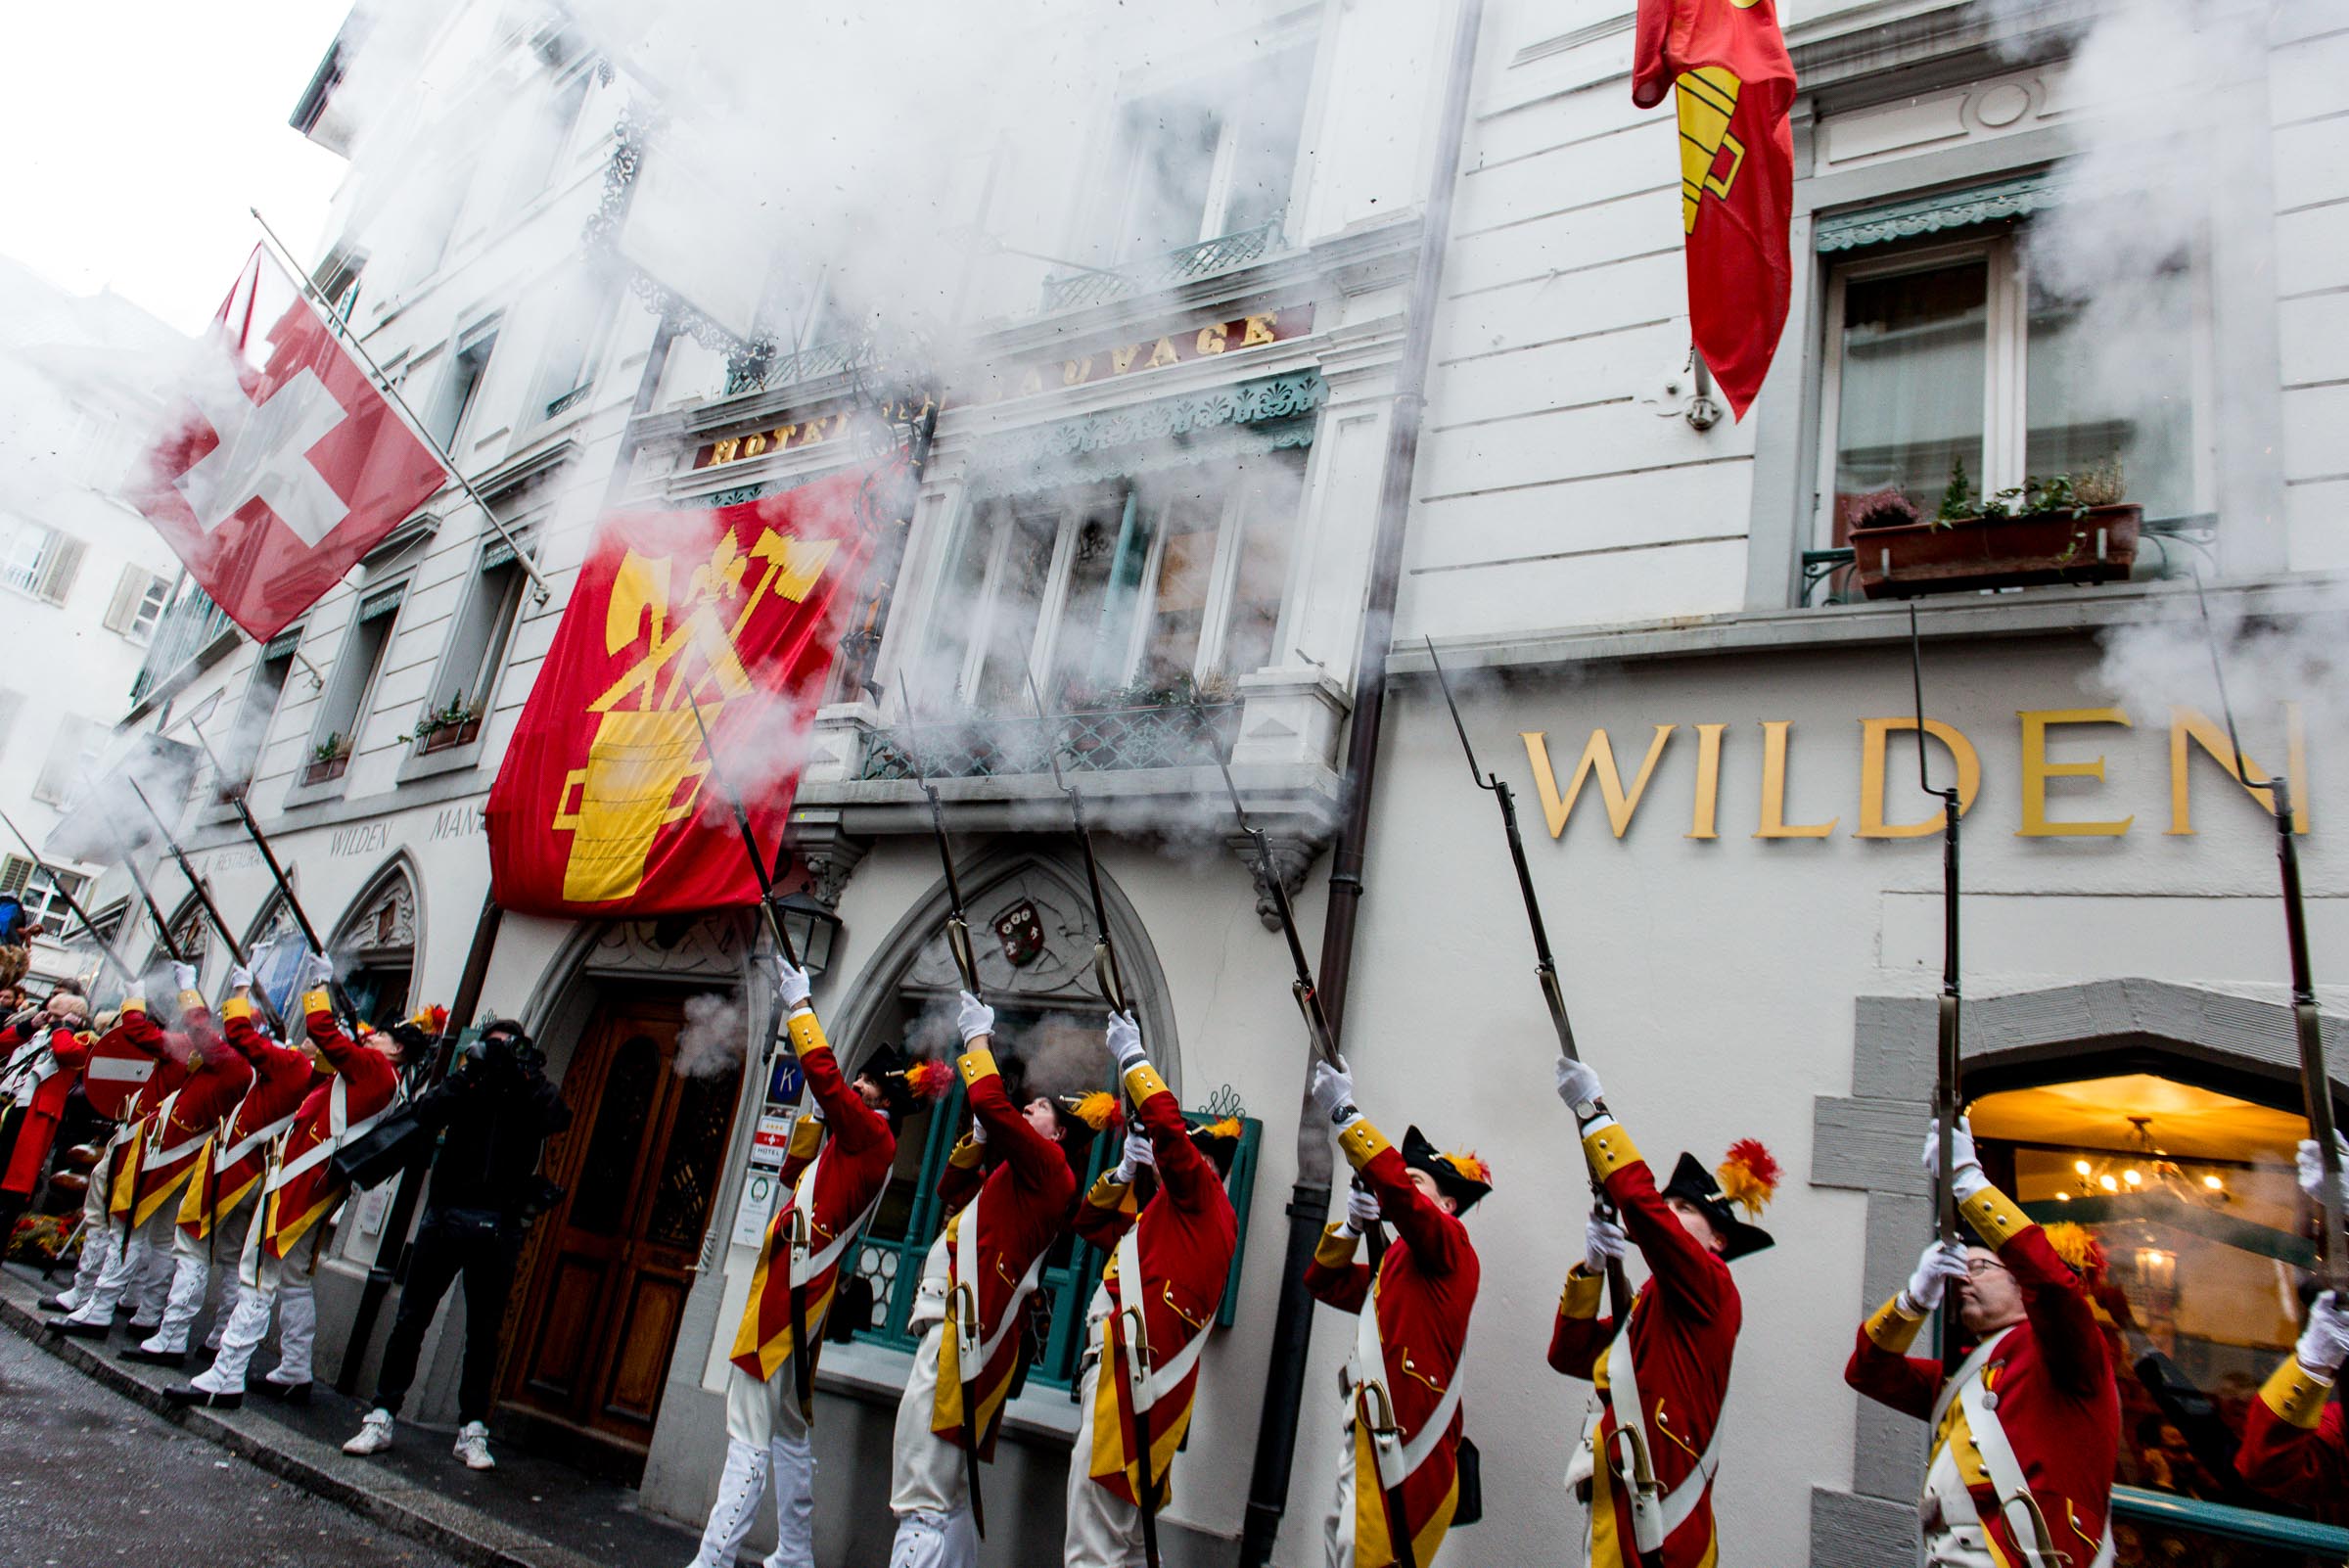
<point x="1111" y="740"/>
<point x="187" y="629"/>
<point x="754" y="367"/>
<point x="1160" y="272"/>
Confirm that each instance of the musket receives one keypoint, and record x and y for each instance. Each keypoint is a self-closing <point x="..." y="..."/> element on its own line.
<point x="2316" y="1088"/>
<point x="958" y="925"/>
<point x="749" y="839"/>
<point x="138" y="880"/>
<point x="1948" y="1094"/>
<point x="211" y="910"/>
<point x="1546" y="967"/>
<point x="106" y="954"/>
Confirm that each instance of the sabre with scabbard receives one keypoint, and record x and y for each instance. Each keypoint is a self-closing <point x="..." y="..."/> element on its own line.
<point x="211" y="910"/>
<point x="1545" y="967"/>
<point x="1949" y="1089"/>
<point x="966" y="965"/>
<point x="2316" y="1086"/>
<point x="106" y="953"/>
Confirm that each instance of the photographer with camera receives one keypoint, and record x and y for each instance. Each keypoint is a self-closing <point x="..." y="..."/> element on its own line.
<point x="493" y="1114"/>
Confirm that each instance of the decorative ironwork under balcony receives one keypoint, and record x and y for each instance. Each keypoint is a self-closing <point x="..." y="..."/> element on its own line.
<point x="1112" y="739"/>
<point x="189" y="627"/>
<point x="1191" y="262"/>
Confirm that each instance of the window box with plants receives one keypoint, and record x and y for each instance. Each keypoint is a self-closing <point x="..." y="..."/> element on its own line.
<point x="329" y="758"/>
<point x="2065" y="529"/>
<point x="457" y="725"/>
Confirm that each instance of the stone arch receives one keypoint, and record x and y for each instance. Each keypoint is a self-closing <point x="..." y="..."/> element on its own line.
<point x="1869" y="1142"/>
<point x="379" y="939"/>
<point x="189" y="933"/>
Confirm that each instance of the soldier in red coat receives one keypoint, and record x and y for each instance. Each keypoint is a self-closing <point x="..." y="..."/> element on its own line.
<point x="298" y="1195"/>
<point x="1663" y="1379"/>
<point x="991" y="1262"/>
<point x="833" y="1193"/>
<point x="2026" y="1431"/>
<point x="1399" y="1481"/>
<point x="1148" y="1323"/>
<point x="2296" y="1445"/>
<point x="48" y="1053"/>
<point x="153" y="1168"/>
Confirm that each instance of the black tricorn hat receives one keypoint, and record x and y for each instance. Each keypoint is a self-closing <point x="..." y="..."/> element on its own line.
<point x="886" y="1066"/>
<point x="1694" y="1185"/>
<point x="1461" y="1178"/>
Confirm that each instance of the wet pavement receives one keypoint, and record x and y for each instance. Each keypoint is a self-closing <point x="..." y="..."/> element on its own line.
<point x="89" y="1478"/>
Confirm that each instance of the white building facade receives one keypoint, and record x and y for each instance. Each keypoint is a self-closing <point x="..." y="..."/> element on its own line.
<point x="1155" y="485"/>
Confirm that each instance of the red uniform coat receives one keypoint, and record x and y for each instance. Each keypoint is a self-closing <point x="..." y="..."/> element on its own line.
<point x="856" y="1153"/>
<point x="367" y="1080"/>
<point x="1425" y="1290"/>
<point x="39" y="1126"/>
<point x="228" y="1166"/>
<point x="1682" y="1337"/>
<point x="171" y="1138"/>
<point x="1020" y="1206"/>
<point x="2296" y="1445"/>
<point x="1184" y="1236"/>
<point x="2052" y="1375"/>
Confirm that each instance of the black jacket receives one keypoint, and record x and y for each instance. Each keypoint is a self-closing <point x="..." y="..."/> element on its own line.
<point x="492" y="1121"/>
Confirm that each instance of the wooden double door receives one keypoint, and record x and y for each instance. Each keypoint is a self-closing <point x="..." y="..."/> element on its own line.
<point x="606" y="1276"/>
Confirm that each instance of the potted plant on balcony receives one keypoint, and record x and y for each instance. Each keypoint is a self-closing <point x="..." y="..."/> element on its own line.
<point x="328" y="758"/>
<point x="2063" y="529"/>
<point x="457" y="725"/>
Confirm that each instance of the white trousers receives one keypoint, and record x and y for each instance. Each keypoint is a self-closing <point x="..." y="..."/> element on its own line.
<point x="98" y="1243"/>
<point x="1105" y="1531"/>
<point x="927" y="1490"/>
<point x="1337" y="1535"/>
<point x="135" y="1268"/>
<point x="285" y="1291"/>
<point x="192" y="1275"/>
<point x="768" y="1439"/>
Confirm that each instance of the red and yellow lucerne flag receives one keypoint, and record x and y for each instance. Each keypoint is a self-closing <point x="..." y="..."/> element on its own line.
<point x="1726" y="64"/>
<point x="598" y="807"/>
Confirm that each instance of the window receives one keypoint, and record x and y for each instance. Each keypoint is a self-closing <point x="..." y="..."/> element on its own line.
<point x="461" y="384"/>
<point x="1972" y="360"/>
<point x="1150" y="582"/>
<point x="2189" y="1197"/>
<point x="577" y="309"/>
<point x="250" y="733"/>
<point x="38" y="561"/>
<point x="72" y="751"/>
<point x="1207" y="159"/>
<point x="138" y="603"/>
<point x="459" y="697"/>
<point x="351" y="688"/>
<point x="39" y="887"/>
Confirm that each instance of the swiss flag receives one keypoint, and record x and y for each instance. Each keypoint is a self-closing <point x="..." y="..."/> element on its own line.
<point x="282" y="464"/>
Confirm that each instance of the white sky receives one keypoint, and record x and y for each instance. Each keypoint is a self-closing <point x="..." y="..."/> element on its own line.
<point x="139" y="133"/>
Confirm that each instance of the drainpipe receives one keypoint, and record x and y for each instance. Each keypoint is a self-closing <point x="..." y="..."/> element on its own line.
<point x="1309" y="1200"/>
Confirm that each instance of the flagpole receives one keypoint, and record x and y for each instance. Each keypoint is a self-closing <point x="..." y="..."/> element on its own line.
<point x="540" y="589"/>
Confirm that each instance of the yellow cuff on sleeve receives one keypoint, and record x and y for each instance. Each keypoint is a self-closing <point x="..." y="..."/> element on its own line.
<point x="1582" y="1295"/>
<point x="133" y="1004"/>
<point x="1363" y="1142"/>
<point x="192" y="1001"/>
<point x="977" y="1063"/>
<point x="1142" y="1082"/>
<point x="1334" y="1251"/>
<point x="1994" y="1217"/>
<point x="806" y="1134"/>
<point x="2296" y="1395"/>
<point x="1108" y="1193"/>
<point x="807" y="1034"/>
<point x="967" y="1153"/>
<point x="237" y="1007"/>
<point x="317" y="1001"/>
<point x="1889" y="1329"/>
<point x="1610" y="1149"/>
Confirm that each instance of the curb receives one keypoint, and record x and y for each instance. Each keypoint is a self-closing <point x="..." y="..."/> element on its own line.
<point x="449" y="1526"/>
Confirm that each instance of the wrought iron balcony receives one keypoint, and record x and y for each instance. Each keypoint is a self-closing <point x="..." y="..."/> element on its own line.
<point x="186" y="631"/>
<point x="1112" y="739"/>
<point x="1155" y="273"/>
<point x="757" y="366"/>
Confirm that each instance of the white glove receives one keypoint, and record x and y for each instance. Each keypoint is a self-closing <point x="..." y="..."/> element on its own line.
<point x="1968" y="1177"/>
<point x="2312" y="1168"/>
<point x="240" y="979"/>
<point x="1603" y="1242"/>
<point x="975" y="1019"/>
<point x="1126" y="1041"/>
<point x="1362" y="1210"/>
<point x="1577" y="1087"/>
<point x="2325" y="1343"/>
<point x="1936" y="1267"/>
<point x="978" y="1130"/>
<point x="183" y="977"/>
<point x="792" y="981"/>
<point x="317" y="969"/>
<point x="1333" y="1089"/>
<point x="1139" y="1153"/>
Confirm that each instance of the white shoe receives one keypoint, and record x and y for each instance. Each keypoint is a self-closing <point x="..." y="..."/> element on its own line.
<point x="473" y="1445"/>
<point x="374" y="1434"/>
